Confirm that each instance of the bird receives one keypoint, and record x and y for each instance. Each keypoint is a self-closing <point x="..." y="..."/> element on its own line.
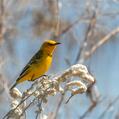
<point x="39" y="64"/>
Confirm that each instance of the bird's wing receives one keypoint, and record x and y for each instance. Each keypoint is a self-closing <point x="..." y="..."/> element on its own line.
<point x="34" y="60"/>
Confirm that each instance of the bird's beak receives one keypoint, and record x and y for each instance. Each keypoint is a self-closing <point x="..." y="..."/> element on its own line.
<point x="57" y="43"/>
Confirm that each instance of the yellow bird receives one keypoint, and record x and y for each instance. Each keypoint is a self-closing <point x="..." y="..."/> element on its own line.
<point x="39" y="63"/>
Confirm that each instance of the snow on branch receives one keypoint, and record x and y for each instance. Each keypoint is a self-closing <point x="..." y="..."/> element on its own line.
<point x="46" y="86"/>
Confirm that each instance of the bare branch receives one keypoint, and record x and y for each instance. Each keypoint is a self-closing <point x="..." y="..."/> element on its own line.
<point x="1" y="19"/>
<point x="101" y="42"/>
<point x="80" y="55"/>
<point x="109" y="106"/>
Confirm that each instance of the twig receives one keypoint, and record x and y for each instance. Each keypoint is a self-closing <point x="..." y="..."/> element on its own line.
<point x="117" y="114"/>
<point x="34" y="101"/>
<point x="39" y="106"/>
<point x="58" y="107"/>
<point x="108" y="107"/>
<point x="69" y="99"/>
<point x="91" y="107"/>
<point x="22" y="101"/>
<point x="28" y="106"/>
<point x="71" y="26"/>
<point x="55" y="10"/>
<point x="57" y="29"/>
<point x="88" y="110"/>
<point x="1" y="19"/>
<point x="80" y="55"/>
<point x="101" y="42"/>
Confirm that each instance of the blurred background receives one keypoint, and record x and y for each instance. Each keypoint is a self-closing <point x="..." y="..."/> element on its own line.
<point x="88" y="31"/>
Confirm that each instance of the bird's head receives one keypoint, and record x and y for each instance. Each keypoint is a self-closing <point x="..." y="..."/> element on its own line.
<point x="49" y="46"/>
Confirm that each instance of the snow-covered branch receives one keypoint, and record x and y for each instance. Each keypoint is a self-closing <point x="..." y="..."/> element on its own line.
<point x="46" y="86"/>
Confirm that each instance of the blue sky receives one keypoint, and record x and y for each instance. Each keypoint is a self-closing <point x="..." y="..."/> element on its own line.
<point x="104" y="63"/>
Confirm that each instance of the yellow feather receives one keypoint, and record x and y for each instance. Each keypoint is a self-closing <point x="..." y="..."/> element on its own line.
<point x="39" y="63"/>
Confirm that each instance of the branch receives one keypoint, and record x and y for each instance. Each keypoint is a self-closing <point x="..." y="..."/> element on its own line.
<point x="91" y="25"/>
<point x="101" y="42"/>
<point x="2" y="28"/>
<point x="91" y="108"/>
<point x="109" y="106"/>
<point x="47" y="86"/>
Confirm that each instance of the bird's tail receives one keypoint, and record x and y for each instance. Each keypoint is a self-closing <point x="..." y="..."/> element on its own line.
<point x="13" y="86"/>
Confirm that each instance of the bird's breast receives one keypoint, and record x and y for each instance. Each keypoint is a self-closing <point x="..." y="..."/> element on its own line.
<point x="43" y="66"/>
<point x="47" y="62"/>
